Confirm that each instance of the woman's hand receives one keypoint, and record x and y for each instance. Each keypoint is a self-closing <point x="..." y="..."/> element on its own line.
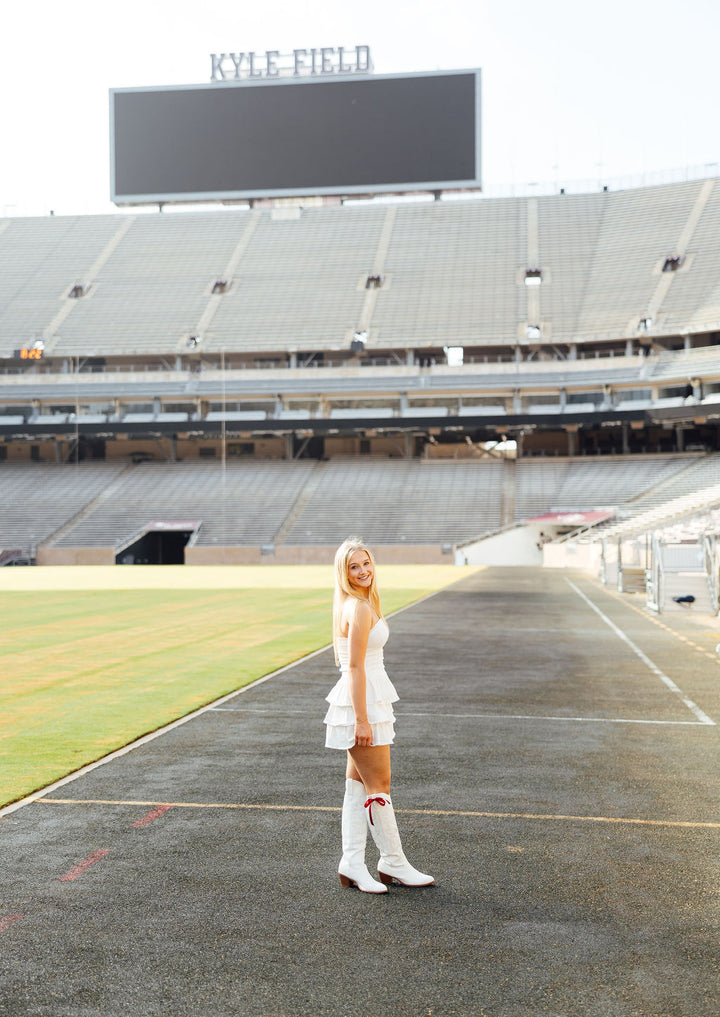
<point x="363" y="733"/>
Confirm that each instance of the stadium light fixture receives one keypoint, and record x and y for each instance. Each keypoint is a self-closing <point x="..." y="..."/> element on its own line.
<point x="534" y="332"/>
<point x="533" y="276"/>
<point x="645" y="324"/>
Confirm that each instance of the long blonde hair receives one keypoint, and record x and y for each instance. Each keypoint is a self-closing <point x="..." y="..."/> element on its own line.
<point x="343" y="589"/>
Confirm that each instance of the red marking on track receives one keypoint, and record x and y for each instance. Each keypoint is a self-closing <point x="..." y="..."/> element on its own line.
<point x="153" y="815"/>
<point x="83" y="866"/>
<point x="7" y="920"/>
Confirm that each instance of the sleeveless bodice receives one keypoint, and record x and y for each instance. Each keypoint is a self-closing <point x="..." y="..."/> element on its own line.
<point x="374" y="658"/>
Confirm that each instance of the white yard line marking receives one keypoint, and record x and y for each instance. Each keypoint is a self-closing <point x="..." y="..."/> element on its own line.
<point x="248" y="709"/>
<point x="484" y="716"/>
<point x="635" y="821"/>
<point x="552" y="719"/>
<point x="693" y="707"/>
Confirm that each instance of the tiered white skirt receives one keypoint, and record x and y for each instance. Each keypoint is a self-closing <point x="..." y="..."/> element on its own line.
<point x="340" y="718"/>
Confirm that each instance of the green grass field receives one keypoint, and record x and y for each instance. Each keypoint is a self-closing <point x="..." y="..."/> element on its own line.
<point x="88" y="669"/>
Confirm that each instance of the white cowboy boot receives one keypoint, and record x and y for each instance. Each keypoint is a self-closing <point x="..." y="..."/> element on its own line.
<point x="393" y="864"/>
<point x="352" y="869"/>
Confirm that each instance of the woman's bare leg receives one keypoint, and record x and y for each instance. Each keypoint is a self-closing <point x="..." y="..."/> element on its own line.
<point x="350" y="771"/>
<point x="371" y="765"/>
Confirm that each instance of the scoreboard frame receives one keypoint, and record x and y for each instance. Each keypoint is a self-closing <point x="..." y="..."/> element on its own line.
<point x="448" y="139"/>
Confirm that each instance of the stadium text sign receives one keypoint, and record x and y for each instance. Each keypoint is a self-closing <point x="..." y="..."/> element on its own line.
<point x="300" y="63"/>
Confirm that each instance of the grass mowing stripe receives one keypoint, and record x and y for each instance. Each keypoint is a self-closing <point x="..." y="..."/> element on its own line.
<point x="67" y="701"/>
<point x="85" y="673"/>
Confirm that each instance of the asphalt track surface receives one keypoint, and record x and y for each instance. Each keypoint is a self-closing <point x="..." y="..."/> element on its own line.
<point x="555" y="769"/>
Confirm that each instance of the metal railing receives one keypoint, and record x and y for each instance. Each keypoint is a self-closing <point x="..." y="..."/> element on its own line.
<point x="632" y="565"/>
<point x="711" y="549"/>
<point x="671" y="559"/>
<point x="654" y="575"/>
<point x="603" y="561"/>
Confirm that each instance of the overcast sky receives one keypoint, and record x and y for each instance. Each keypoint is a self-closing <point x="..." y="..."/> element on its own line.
<point x="572" y="90"/>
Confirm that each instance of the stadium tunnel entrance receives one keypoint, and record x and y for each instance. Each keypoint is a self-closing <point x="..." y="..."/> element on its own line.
<point x="159" y="543"/>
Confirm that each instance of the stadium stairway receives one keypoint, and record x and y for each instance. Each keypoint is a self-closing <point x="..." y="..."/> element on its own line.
<point x="682" y="584"/>
<point x="105" y="495"/>
<point x="299" y="504"/>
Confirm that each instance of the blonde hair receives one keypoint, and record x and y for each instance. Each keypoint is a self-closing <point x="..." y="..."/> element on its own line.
<point x="343" y="589"/>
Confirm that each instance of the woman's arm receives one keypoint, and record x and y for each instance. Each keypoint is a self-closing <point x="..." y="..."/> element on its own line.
<point x="360" y="623"/>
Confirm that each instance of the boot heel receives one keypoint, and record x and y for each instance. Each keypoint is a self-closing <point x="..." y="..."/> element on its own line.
<point x="384" y="878"/>
<point x="344" y="881"/>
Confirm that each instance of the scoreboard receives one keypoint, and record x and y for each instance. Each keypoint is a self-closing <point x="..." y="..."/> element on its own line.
<point x="343" y="135"/>
<point x="28" y="353"/>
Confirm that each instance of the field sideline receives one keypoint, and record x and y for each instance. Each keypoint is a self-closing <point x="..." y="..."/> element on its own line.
<point x="94" y="657"/>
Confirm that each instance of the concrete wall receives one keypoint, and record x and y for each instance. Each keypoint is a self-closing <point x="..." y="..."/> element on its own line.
<point x="349" y="445"/>
<point x="395" y="554"/>
<point x="572" y="555"/>
<point x="189" y="449"/>
<point x="518" y="546"/>
<point x="20" y="452"/>
<point x="525" y="545"/>
<point x="551" y="443"/>
<point x="76" y="556"/>
<point x="314" y="554"/>
<point x="455" y="450"/>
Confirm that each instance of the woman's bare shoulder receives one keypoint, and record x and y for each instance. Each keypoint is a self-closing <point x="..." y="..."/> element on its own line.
<point x="357" y="612"/>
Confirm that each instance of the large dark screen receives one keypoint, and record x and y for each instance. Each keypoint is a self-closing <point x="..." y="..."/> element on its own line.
<point x="298" y="137"/>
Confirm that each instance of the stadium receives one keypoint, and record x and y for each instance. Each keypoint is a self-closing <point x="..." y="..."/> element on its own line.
<point x="515" y="400"/>
<point x="496" y="359"/>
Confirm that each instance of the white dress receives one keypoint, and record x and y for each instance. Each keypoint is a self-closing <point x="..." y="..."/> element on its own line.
<point x="379" y="692"/>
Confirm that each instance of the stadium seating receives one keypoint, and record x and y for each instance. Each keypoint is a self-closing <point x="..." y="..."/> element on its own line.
<point x="578" y="485"/>
<point x="303" y="502"/>
<point x="689" y="491"/>
<point x="299" y="285"/>
<point x="40" y="260"/>
<point x="36" y="499"/>
<point x="139" y="315"/>
<point x="401" y="500"/>
<point x="244" y="503"/>
<point x="152" y="290"/>
<point x="452" y="273"/>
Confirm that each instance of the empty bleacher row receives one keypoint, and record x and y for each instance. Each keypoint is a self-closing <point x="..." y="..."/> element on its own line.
<point x="37" y="498"/>
<point x="452" y="273"/>
<point x="579" y="485"/>
<point x="401" y="500"/>
<point x="306" y="502"/>
<point x="694" y="489"/>
<point x="242" y="504"/>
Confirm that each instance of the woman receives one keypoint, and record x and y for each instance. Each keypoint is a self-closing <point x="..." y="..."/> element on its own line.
<point x="361" y="720"/>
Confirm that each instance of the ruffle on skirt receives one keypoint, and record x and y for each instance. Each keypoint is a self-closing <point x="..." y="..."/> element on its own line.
<point x="340" y="717"/>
